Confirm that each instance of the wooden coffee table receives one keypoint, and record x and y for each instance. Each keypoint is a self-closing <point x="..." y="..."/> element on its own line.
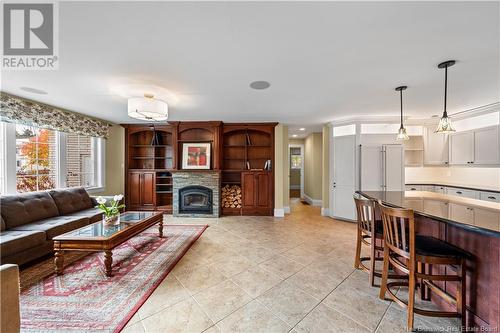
<point x="99" y="237"/>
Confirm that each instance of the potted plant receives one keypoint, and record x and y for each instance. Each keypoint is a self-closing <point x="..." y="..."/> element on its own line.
<point x="111" y="213"/>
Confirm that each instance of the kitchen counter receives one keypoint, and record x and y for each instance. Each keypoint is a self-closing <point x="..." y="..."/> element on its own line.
<point x="458" y="185"/>
<point x="471" y="225"/>
<point x="472" y="214"/>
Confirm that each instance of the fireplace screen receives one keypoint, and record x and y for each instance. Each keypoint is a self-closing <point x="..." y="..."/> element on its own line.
<point x="195" y="200"/>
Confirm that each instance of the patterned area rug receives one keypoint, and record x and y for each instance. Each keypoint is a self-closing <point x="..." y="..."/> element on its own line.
<point x="83" y="299"/>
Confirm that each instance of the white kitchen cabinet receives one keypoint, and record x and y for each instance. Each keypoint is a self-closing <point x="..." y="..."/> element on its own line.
<point x="461" y="148"/>
<point x="486" y="219"/>
<point x="436" y="208"/>
<point x="476" y="147"/>
<point x="486" y="148"/>
<point x="435" y="147"/>
<point x="428" y="188"/>
<point x="440" y="189"/>
<point x="344" y="177"/>
<point x="462" y="192"/>
<point x="413" y="188"/>
<point x="461" y="213"/>
<point x="490" y="196"/>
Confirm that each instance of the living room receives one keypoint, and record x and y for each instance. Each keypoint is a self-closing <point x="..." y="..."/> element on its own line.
<point x="250" y="166"/>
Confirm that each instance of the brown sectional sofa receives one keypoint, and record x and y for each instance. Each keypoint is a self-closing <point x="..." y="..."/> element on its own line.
<point x="29" y="221"/>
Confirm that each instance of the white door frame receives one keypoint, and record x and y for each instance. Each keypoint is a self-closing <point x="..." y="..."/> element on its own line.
<point x="301" y="146"/>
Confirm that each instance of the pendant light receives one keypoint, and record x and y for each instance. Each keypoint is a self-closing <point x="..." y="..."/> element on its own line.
<point x="402" y="136"/>
<point x="445" y="125"/>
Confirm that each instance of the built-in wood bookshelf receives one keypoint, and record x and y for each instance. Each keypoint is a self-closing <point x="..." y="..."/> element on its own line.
<point x="244" y="153"/>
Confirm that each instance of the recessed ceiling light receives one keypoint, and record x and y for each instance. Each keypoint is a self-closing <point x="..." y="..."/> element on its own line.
<point x="259" y="85"/>
<point x="295" y="135"/>
<point x="302" y="129"/>
<point x="34" y="90"/>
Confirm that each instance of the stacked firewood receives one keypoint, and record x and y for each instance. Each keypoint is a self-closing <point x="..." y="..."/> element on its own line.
<point x="231" y="196"/>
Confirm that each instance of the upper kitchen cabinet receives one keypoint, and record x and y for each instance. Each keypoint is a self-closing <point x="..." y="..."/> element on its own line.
<point x="475" y="147"/>
<point x="435" y="147"/>
<point x="486" y="146"/>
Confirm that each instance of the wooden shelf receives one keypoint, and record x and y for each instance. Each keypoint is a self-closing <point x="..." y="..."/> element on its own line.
<point x="164" y="192"/>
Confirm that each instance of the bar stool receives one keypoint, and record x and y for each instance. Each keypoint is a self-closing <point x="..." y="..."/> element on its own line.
<point x="408" y="253"/>
<point x="369" y="231"/>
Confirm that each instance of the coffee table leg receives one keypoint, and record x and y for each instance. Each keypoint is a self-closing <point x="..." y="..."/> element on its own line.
<point x="108" y="261"/>
<point x="59" y="262"/>
<point x="160" y="228"/>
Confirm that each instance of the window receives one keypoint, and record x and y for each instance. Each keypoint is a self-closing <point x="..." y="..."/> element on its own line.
<point x="295" y="158"/>
<point x="80" y="161"/>
<point x="35" y="159"/>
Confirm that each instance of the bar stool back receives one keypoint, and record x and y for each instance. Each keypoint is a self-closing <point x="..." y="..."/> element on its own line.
<point x="407" y="253"/>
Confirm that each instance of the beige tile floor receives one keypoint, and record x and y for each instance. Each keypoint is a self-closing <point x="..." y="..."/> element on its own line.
<point x="265" y="274"/>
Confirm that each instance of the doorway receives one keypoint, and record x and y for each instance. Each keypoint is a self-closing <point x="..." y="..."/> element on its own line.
<point x="296" y="172"/>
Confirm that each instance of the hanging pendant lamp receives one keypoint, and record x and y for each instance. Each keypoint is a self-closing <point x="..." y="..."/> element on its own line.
<point x="402" y="136"/>
<point x="445" y="125"/>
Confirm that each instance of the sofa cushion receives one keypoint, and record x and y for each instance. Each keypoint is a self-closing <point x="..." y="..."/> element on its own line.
<point x="12" y="241"/>
<point x="56" y="226"/>
<point x="94" y="214"/>
<point x="25" y="208"/>
<point x="71" y="200"/>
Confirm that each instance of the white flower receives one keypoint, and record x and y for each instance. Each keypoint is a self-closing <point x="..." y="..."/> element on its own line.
<point x="101" y="200"/>
<point x="118" y="197"/>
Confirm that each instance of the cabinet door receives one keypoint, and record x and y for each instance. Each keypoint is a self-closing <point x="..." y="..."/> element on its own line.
<point x="413" y="188"/>
<point x="394" y="172"/>
<point x="461" y="213"/>
<point x="486" y="219"/>
<point x="148" y="189"/>
<point x="343" y="207"/>
<point x="436" y="208"/>
<point x="462" y="148"/>
<point x="486" y="148"/>
<point x="462" y="193"/>
<point x="262" y="189"/>
<point x="435" y="147"/>
<point x="490" y="196"/>
<point x="134" y="189"/>
<point x="248" y="187"/>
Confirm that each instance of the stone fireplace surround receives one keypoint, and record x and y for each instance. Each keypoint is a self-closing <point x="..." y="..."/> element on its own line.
<point x="206" y="178"/>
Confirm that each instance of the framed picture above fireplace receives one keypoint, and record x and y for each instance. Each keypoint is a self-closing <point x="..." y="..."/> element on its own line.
<point x="196" y="155"/>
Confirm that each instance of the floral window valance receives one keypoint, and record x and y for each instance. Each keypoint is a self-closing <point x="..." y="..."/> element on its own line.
<point x="19" y="110"/>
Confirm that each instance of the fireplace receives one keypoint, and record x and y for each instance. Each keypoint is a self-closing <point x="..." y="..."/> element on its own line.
<point x="195" y="200"/>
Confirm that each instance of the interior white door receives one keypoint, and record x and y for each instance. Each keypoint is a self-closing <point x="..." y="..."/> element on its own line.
<point x="394" y="168"/>
<point x="486" y="148"/>
<point x="371" y="168"/>
<point x="461" y="148"/>
<point x="344" y="177"/>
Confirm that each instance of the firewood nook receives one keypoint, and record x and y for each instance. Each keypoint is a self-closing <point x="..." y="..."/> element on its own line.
<point x="242" y="154"/>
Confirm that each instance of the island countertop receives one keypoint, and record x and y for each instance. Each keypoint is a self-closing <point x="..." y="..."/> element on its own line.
<point x="475" y="215"/>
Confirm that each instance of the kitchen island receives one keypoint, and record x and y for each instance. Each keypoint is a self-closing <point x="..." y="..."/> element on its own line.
<point x="470" y="224"/>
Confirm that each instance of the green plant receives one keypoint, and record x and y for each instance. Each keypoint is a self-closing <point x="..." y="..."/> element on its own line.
<point x="114" y="209"/>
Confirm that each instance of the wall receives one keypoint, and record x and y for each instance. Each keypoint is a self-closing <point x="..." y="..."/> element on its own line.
<point x="281" y="170"/>
<point x="294" y="174"/>
<point x="313" y="165"/>
<point x="475" y="176"/>
<point x="325" y="179"/>
<point x="115" y="157"/>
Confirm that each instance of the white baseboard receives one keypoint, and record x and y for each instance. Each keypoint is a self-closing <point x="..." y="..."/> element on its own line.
<point x="279" y="212"/>
<point x="325" y="211"/>
<point x="313" y="202"/>
<point x="286" y="209"/>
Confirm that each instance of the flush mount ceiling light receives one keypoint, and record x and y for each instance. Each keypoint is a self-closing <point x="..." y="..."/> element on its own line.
<point x="445" y="125"/>
<point x="402" y="130"/>
<point x="302" y="129"/>
<point x="295" y="135"/>
<point x="260" y="85"/>
<point x="147" y="108"/>
<point x="34" y="90"/>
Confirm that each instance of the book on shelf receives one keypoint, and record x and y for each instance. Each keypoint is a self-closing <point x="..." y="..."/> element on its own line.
<point x="248" y="165"/>
<point x="249" y="143"/>
<point x="267" y="165"/>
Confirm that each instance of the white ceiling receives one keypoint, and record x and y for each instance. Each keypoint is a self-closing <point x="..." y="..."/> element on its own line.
<point x="324" y="60"/>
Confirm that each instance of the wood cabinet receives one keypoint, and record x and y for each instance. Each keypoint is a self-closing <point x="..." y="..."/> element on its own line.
<point x="435" y="147"/>
<point x="141" y="191"/>
<point x="476" y="147"/>
<point x="257" y="188"/>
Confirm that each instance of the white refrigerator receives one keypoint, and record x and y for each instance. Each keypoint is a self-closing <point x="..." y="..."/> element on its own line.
<point x="381" y="168"/>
